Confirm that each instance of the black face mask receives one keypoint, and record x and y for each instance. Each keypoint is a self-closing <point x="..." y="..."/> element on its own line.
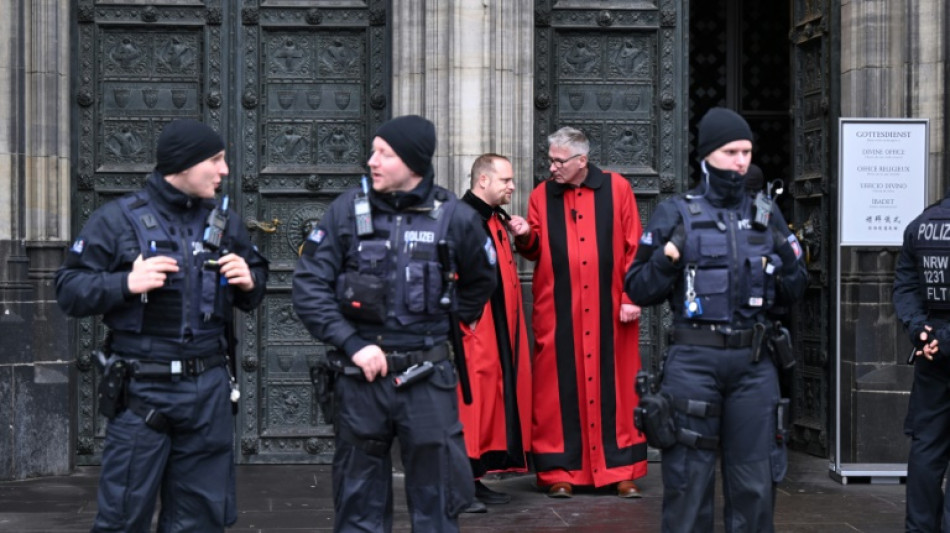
<point x="725" y="186"/>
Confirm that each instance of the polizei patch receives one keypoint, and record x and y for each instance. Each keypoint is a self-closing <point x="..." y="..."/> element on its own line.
<point x="419" y="236"/>
<point x="934" y="231"/>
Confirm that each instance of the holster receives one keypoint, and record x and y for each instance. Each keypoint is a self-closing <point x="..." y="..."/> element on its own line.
<point x="780" y="346"/>
<point x="323" y="377"/>
<point x="654" y="415"/>
<point x="112" y="392"/>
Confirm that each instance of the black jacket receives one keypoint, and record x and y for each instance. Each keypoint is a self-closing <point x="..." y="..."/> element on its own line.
<point x="93" y="279"/>
<point x="653" y="278"/>
<point x="921" y="270"/>
<point x="329" y="251"/>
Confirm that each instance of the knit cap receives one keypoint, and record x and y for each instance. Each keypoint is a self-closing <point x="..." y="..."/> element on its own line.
<point x="719" y="127"/>
<point x="183" y="144"/>
<point x="413" y="139"/>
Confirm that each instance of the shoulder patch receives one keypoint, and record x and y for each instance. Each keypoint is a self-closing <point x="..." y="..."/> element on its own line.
<point x="490" y="252"/>
<point x="78" y="246"/>
<point x="796" y="247"/>
<point x="647" y="238"/>
<point x="317" y="235"/>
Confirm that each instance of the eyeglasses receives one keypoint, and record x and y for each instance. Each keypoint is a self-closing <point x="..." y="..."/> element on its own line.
<point x="559" y="163"/>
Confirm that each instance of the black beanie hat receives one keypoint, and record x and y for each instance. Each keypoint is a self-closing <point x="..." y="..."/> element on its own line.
<point x="719" y="127"/>
<point x="413" y="139"/>
<point x="183" y="144"/>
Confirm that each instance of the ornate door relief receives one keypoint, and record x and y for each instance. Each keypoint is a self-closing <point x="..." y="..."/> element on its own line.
<point x="295" y="91"/>
<point x="314" y="86"/>
<point x="813" y="194"/>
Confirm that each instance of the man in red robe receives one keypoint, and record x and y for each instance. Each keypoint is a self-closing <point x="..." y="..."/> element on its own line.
<point x="582" y="231"/>
<point x="497" y="424"/>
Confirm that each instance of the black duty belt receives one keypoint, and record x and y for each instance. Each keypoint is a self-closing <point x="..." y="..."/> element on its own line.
<point x="136" y="344"/>
<point x="152" y="369"/>
<point x="397" y="361"/>
<point x="713" y="338"/>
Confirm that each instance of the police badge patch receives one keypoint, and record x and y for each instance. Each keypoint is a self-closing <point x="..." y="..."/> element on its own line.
<point x="647" y="238"/>
<point x="796" y="247"/>
<point x="490" y="252"/>
<point x="317" y="235"/>
<point x="78" y="246"/>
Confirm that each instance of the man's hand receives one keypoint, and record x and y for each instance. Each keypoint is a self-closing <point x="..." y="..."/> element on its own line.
<point x="372" y="360"/>
<point x="149" y="274"/>
<point x="519" y="226"/>
<point x="629" y="312"/>
<point x="235" y="269"/>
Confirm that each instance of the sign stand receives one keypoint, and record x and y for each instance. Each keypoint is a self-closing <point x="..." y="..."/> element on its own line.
<point x="879" y="193"/>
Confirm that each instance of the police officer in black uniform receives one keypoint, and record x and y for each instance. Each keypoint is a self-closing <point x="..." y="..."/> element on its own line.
<point x="922" y="302"/>
<point x="165" y="266"/>
<point x="721" y="268"/>
<point x="371" y="281"/>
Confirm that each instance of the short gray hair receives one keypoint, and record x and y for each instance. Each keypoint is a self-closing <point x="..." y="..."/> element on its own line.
<point x="572" y="138"/>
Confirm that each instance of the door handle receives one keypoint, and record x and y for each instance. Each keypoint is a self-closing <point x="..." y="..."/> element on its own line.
<point x="267" y="227"/>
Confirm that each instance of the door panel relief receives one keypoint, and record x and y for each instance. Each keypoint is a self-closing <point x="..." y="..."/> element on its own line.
<point x="314" y="86"/>
<point x="139" y="67"/>
<point x="295" y="91"/>
<point x="813" y="202"/>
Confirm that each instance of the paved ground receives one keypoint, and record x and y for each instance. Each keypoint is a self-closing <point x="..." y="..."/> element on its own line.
<point x="285" y="499"/>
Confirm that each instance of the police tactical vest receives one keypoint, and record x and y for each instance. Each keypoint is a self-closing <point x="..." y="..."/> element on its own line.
<point x="722" y="260"/>
<point x="932" y="246"/>
<point x="400" y="259"/>
<point x="194" y="299"/>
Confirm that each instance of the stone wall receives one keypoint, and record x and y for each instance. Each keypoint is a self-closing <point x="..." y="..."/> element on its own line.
<point x="35" y="367"/>
<point x="469" y="67"/>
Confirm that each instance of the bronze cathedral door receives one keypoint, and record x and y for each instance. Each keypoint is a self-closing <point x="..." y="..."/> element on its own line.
<point x="296" y="88"/>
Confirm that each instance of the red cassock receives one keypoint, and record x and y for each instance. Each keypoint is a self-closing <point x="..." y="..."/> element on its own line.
<point x="585" y="364"/>
<point x="497" y="425"/>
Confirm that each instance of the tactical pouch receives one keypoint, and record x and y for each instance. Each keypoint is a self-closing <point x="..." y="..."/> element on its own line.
<point x="780" y="343"/>
<point x="757" y="290"/>
<point x="654" y="417"/>
<point x="362" y="297"/>
<point x="782" y="420"/>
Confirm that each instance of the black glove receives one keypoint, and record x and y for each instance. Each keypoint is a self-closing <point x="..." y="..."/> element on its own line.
<point x="921" y="337"/>
<point x="942" y="333"/>
<point x="678" y="238"/>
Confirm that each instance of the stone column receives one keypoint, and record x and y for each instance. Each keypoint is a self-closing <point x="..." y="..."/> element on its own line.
<point x="468" y="67"/>
<point x="34" y="226"/>
<point x="892" y="66"/>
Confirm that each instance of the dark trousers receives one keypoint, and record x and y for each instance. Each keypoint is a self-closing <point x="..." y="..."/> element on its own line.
<point x="928" y="425"/>
<point x="752" y="459"/>
<point x="424" y="417"/>
<point x="191" y="467"/>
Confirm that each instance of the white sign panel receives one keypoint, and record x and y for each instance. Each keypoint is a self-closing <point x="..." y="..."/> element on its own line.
<point x="883" y="178"/>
